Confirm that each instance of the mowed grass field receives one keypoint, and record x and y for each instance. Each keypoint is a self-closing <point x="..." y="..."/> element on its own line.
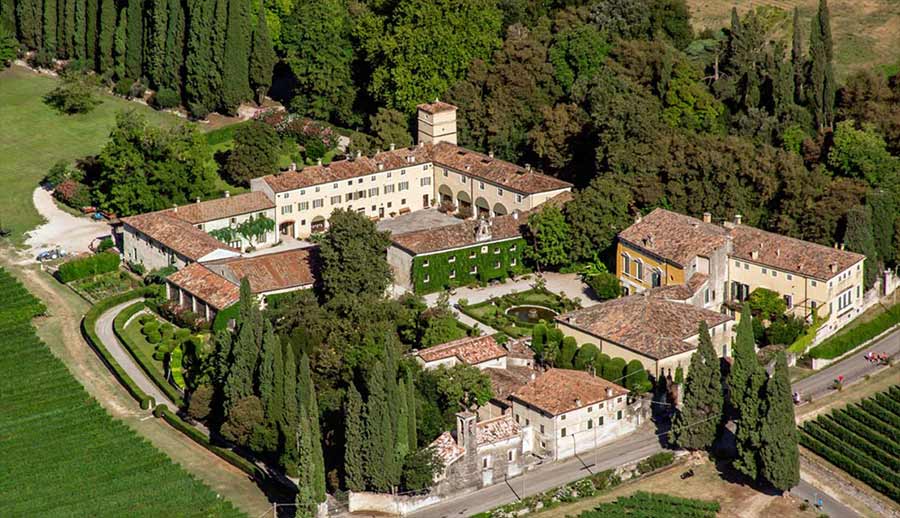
<point x="61" y="454"/>
<point x="866" y="32"/>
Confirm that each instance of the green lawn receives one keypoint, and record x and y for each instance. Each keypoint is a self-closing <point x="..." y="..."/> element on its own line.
<point x="35" y="137"/>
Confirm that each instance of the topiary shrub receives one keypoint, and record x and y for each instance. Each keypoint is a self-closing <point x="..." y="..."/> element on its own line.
<point x="158" y="411"/>
<point x="154" y="337"/>
<point x="182" y="334"/>
<point x="613" y="370"/>
<point x="167" y="331"/>
<point x="150" y="327"/>
<point x="166" y="98"/>
<point x="145" y="319"/>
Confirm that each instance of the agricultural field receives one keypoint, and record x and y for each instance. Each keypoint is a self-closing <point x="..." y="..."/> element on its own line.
<point x="866" y="32"/>
<point x="61" y="453"/>
<point x="654" y="504"/>
<point x="862" y="439"/>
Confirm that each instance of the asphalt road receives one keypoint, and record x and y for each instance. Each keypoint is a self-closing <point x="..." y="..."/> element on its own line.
<point x="646" y="443"/>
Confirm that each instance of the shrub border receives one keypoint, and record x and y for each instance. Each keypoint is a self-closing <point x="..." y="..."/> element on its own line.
<point x="89" y="322"/>
<point x="160" y="382"/>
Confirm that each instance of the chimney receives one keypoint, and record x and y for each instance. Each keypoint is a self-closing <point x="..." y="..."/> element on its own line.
<point x="707" y="217"/>
<point x="737" y="219"/>
<point x="533" y="375"/>
<point x="198" y="200"/>
<point x="842" y="246"/>
<point x="638" y="217"/>
<point x="422" y="144"/>
<point x="754" y="254"/>
<point x="468" y="167"/>
<point x="358" y="153"/>
<point x="319" y="162"/>
<point x="528" y="167"/>
<point x="174" y="207"/>
<point x="578" y="402"/>
<point x="777" y="252"/>
<point x="227" y="194"/>
<point x="491" y="153"/>
<point x="609" y="392"/>
<point x="833" y="267"/>
<point x="393" y="146"/>
<point x="293" y="166"/>
<point x="380" y="166"/>
<point x="515" y="215"/>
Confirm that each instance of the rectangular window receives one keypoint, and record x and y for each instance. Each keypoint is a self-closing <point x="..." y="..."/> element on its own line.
<point x="349" y="182"/>
<point x="626" y="264"/>
<point x="497" y="265"/>
<point x="317" y="203"/>
<point x="499" y="192"/>
<point x="562" y="417"/>
<point x="590" y="409"/>
<point x="426" y="278"/>
<point x="462" y="178"/>
<point x="402" y="201"/>
<point x="373" y="191"/>
<point x="473" y="255"/>
<point x="563" y="432"/>
<point x="812" y="283"/>
<point x="542" y="428"/>
<point x="303" y="205"/>
<point x="334" y="185"/>
<point x="774" y="273"/>
<point x="481" y="185"/>
<point x="287" y="209"/>
<point x="425" y="181"/>
<point x="789" y="300"/>
<point x="519" y="198"/>
<point x="360" y="195"/>
<point x="706" y="296"/>
<point x="474" y="270"/>
<point x="510" y="455"/>
<point x="590" y="424"/>
<point x="496" y="250"/>
<point x="445" y="173"/>
<point x="746" y="266"/>
<point x="619" y="414"/>
<point x="484" y="249"/>
<point x="372" y="178"/>
<point x="789" y="276"/>
<point x="389" y="188"/>
<point x="403" y="172"/>
<point x="317" y="188"/>
<point x="402" y="186"/>
<point x="485" y="462"/>
<point x="425" y="263"/>
<point x="600" y="421"/>
<point x="335" y="200"/>
<point x="302" y="192"/>
<point x="765" y="271"/>
<point x="512" y="248"/>
<point x="348" y="196"/>
<point x="512" y="261"/>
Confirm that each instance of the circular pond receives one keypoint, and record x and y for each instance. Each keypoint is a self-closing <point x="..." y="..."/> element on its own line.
<point x="531" y="314"/>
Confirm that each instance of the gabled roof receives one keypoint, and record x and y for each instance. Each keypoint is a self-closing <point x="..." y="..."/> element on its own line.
<point x="654" y="327"/>
<point x="500" y="172"/>
<point x="680" y="292"/>
<point x="206" y="285"/>
<point x="271" y="272"/>
<point x="674" y="237"/>
<point x="789" y="254"/>
<point x="558" y="391"/>
<point x="469" y="350"/>
<point x="497" y="429"/>
<point x="436" y="107"/>
<point x="509" y="380"/>
<point x="222" y="208"/>
<point x="176" y="234"/>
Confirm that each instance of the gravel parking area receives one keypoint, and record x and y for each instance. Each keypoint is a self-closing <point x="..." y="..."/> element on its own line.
<point x="61" y="229"/>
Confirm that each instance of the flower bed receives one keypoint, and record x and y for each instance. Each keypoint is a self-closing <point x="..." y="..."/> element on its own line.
<point x="105" y="285"/>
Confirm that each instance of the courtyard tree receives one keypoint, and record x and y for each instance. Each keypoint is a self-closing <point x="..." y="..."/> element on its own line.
<point x="697" y="422"/>
<point x="549" y="238"/>
<point x="353" y="260"/>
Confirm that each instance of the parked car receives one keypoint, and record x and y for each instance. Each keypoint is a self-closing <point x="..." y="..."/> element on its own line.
<point x="51" y="255"/>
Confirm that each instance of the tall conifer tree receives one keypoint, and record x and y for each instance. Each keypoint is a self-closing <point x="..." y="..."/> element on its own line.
<point x="90" y="32"/>
<point x="173" y="61"/>
<point x="157" y="23"/>
<point x="354" y="444"/>
<point x="290" y="416"/>
<point x="745" y="383"/>
<point x="200" y="70"/>
<point x="306" y="392"/>
<point x="134" y="40"/>
<point x="29" y="22"/>
<point x="120" y="44"/>
<point x="67" y="36"/>
<point x="246" y="350"/>
<point x="411" y="404"/>
<point x="235" y="75"/>
<point x="797" y="61"/>
<point x="78" y="36"/>
<point x="106" y="39"/>
<point x="270" y="348"/>
<point x="379" y="452"/>
<point x="50" y="25"/>
<point x="262" y="57"/>
<point x="821" y="80"/>
<point x="779" y="454"/>
<point x="402" y="433"/>
<point x="697" y="422"/>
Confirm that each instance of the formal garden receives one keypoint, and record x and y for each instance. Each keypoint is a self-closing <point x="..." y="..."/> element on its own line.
<point x="515" y="314"/>
<point x="87" y="463"/>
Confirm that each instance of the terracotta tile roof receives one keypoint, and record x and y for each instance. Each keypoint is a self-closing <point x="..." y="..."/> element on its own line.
<point x="494" y="430"/>
<point x="222" y="208"/>
<point x="651" y="326"/>
<point x="469" y="350"/>
<point x="463" y="234"/>
<point x="519" y="348"/>
<point x="436" y="107"/>
<point x="506" y="174"/>
<point x="501" y="172"/>
<point x="271" y="272"/>
<point x="206" y="285"/>
<point x="351" y="168"/>
<point x="558" y="391"/>
<point x="509" y="380"/>
<point x="447" y="449"/>
<point x="680" y="291"/>
<point x="176" y="234"/>
<point x="674" y="237"/>
<point x="789" y="254"/>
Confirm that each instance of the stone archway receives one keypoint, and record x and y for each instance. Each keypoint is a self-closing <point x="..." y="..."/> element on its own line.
<point x="445" y="193"/>
<point x="464" y="203"/>
<point x="500" y="209"/>
<point x="318" y="224"/>
<point x="483" y="208"/>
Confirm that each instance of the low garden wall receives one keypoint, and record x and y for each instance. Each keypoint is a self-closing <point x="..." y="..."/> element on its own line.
<point x="398" y="505"/>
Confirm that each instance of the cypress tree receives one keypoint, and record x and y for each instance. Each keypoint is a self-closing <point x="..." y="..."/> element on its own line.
<point x="402" y="435"/>
<point x="822" y="86"/>
<point x="697" y="422"/>
<point x="50" y="23"/>
<point x="29" y="22"/>
<point x="173" y="61"/>
<point x="779" y="454"/>
<point x="120" y="44"/>
<point x="354" y="445"/>
<point x="745" y="383"/>
<point x="276" y="402"/>
<point x="797" y="62"/>
<point x="411" y="405"/>
<point x="306" y="485"/>
<point x="200" y="71"/>
<point x="859" y="238"/>
<point x="243" y="366"/>
<point x="235" y="75"/>
<point x="262" y="57"/>
<point x="218" y="32"/>
<point x="106" y="39"/>
<point x="157" y="24"/>
<point x="379" y="452"/>
<point x="271" y="346"/>
<point x="90" y="32"/>
<point x="134" y="40"/>
<point x="61" y="44"/>
<point x="78" y="29"/>
<point x="307" y="401"/>
<point x="67" y="36"/>
<point x="8" y="15"/>
<point x="290" y="416"/>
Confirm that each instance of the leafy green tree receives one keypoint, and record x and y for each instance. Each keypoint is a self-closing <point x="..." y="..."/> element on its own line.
<point x="354" y="445"/>
<point x="75" y="95"/>
<point x="862" y="153"/>
<point x="859" y="238"/>
<point x="262" y="57"/>
<point x="403" y="74"/>
<point x="538" y="338"/>
<point x="779" y="453"/>
<point x="636" y="378"/>
<point x="353" y="261"/>
<point x="596" y="214"/>
<point x="549" y="237"/>
<point x="106" y="38"/>
<point x="885" y="206"/>
<point x="577" y="53"/>
<point x="420" y="469"/>
<point x="559" y="138"/>
<point x="320" y="53"/>
<point x="391" y="127"/>
<point x="605" y="285"/>
<point x="614" y="370"/>
<point x="463" y="386"/>
<point x="8" y="46"/>
<point x="697" y="422"/>
<point x="255" y="153"/>
<point x="689" y="105"/>
<point x="766" y="304"/>
<point x="585" y="357"/>
<point x="235" y="72"/>
<point x="746" y="381"/>
<point x="244" y="417"/>
<point x="134" y="34"/>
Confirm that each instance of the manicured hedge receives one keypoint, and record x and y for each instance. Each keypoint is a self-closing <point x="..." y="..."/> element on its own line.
<point x="857" y="335"/>
<point x="153" y="374"/>
<point x="88" y="266"/>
